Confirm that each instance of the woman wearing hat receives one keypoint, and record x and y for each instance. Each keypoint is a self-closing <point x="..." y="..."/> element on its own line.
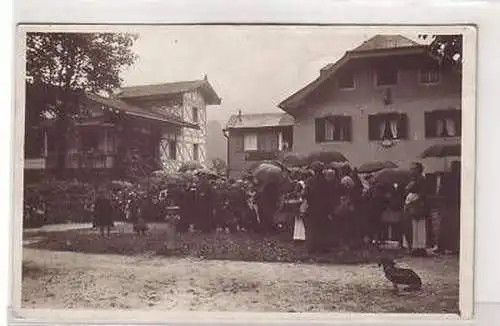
<point x="416" y="211"/>
<point x="318" y="209"/>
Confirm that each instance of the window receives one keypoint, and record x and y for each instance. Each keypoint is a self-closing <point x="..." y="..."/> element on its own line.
<point x="268" y="141"/>
<point x="387" y="76"/>
<point x="172" y="149"/>
<point x="430" y="76"/>
<point x="443" y="123"/>
<point x="334" y="128"/>
<point x="196" y="152"/>
<point x="89" y="139"/>
<point x="250" y="142"/>
<point x="195" y="115"/>
<point x="34" y="143"/>
<point x="386" y="126"/>
<point x="346" y="81"/>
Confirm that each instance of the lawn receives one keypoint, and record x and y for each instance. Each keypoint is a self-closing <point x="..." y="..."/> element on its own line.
<point x="221" y="246"/>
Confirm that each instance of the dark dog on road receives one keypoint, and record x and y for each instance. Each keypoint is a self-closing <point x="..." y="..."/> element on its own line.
<point x="400" y="276"/>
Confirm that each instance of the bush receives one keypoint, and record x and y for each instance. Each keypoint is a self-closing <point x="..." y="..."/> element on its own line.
<point x="61" y="201"/>
<point x="71" y="201"/>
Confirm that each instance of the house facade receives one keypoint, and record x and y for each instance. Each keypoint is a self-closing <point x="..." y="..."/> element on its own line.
<point x="145" y="127"/>
<point x="256" y="137"/>
<point x="385" y="100"/>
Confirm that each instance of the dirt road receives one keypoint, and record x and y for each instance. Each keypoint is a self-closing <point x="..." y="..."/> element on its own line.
<point x="76" y="280"/>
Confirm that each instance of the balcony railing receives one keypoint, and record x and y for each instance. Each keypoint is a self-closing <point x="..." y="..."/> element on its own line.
<point x="263" y="155"/>
<point x="80" y="160"/>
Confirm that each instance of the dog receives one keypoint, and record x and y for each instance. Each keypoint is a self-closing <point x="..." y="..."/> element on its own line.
<point x="400" y="276"/>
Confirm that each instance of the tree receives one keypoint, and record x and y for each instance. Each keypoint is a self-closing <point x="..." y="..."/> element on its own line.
<point x="219" y="166"/>
<point x="72" y="64"/>
<point x="447" y="49"/>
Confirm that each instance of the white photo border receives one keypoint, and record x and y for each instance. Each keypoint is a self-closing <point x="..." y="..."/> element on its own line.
<point x="266" y="12"/>
<point x="467" y="209"/>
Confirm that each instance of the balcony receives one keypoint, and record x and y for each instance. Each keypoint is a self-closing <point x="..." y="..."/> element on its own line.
<point x="77" y="160"/>
<point x="260" y="155"/>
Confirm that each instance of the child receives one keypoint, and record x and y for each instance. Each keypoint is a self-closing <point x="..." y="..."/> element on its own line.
<point x="172" y="217"/>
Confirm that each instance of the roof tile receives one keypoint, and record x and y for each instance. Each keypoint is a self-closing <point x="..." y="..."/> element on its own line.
<point x="259" y="120"/>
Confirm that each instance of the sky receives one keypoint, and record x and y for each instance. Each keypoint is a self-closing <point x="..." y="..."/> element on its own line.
<point x="252" y="68"/>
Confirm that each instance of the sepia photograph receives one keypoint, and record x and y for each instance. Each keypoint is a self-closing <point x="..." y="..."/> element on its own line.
<point x="245" y="168"/>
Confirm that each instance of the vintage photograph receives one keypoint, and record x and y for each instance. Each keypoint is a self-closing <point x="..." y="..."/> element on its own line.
<point x="243" y="168"/>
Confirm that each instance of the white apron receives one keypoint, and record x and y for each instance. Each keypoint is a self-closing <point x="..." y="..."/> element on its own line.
<point x="299" y="231"/>
<point x="419" y="234"/>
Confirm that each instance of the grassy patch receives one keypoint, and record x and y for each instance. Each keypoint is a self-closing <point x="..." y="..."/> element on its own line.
<point x="221" y="246"/>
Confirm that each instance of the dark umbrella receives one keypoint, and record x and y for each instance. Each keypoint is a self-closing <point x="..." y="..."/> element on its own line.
<point x="207" y="173"/>
<point x="393" y="175"/>
<point x="267" y="172"/>
<point x="442" y="150"/>
<point x="376" y="166"/>
<point x="326" y="157"/>
<point x="255" y="165"/>
<point x="293" y="159"/>
<point x="190" y="166"/>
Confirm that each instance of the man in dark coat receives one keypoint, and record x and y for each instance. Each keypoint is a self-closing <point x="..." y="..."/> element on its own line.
<point x="318" y="201"/>
<point x="449" y="232"/>
<point x="204" y="206"/>
<point x="267" y="202"/>
<point x="103" y="213"/>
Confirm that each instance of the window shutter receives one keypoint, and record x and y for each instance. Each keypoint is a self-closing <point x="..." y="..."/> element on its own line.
<point x="274" y="141"/>
<point x="403" y="126"/>
<point x="373" y="132"/>
<point x="430" y="125"/>
<point x="320" y="130"/>
<point x="261" y="142"/>
<point x="347" y="128"/>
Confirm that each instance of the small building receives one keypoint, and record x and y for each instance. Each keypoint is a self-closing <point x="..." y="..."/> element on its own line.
<point x="387" y="99"/>
<point x="146" y="128"/>
<point x="256" y="137"/>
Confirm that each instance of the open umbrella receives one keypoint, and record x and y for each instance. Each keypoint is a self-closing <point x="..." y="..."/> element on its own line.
<point x="207" y="173"/>
<point x="268" y="172"/>
<point x="376" y="166"/>
<point x="120" y="184"/>
<point x="255" y="165"/>
<point x="442" y="150"/>
<point x="393" y="175"/>
<point x="293" y="159"/>
<point x="326" y="157"/>
<point x="191" y="166"/>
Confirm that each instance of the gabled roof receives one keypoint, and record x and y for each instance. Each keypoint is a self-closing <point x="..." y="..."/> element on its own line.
<point x="135" y="111"/>
<point x="259" y="120"/>
<point x="40" y="94"/>
<point x="377" y="45"/>
<point x="386" y="42"/>
<point x="207" y="90"/>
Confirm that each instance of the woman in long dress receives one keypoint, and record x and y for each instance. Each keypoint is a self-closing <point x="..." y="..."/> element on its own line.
<point x="299" y="231"/>
<point x="416" y="211"/>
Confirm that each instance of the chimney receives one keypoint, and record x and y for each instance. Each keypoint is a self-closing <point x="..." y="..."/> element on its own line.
<point x="206" y="77"/>
<point x="240" y="119"/>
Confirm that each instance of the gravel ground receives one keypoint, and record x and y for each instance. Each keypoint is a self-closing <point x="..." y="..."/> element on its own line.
<point x="53" y="279"/>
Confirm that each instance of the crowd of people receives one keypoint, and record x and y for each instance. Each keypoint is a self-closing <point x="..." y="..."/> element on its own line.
<point x="335" y="205"/>
<point x="341" y="209"/>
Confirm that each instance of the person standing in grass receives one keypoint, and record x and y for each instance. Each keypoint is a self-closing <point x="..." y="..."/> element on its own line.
<point x="103" y="212"/>
<point x="449" y="232"/>
<point x="318" y="209"/>
<point x="417" y="210"/>
<point x="170" y="212"/>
